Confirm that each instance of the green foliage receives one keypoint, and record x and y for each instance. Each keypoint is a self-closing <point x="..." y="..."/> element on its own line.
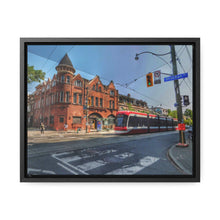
<point x="188" y="112"/>
<point x="173" y="114"/>
<point x="188" y="121"/>
<point x="130" y="107"/>
<point x="35" y="75"/>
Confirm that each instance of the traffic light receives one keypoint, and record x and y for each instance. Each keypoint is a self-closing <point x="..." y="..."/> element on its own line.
<point x="149" y="78"/>
<point x="185" y="100"/>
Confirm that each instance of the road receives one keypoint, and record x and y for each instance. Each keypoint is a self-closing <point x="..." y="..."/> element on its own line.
<point x="144" y="154"/>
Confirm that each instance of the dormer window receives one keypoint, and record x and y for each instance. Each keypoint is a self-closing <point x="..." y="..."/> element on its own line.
<point x="78" y="83"/>
<point x="93" y="88"/>
<point x="112" y="93"/>
<point x="54" y="83"/>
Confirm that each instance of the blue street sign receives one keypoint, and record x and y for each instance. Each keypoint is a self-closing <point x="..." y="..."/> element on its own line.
<point x="84" y="107"/>
<point x="179" y="76"/>
<point x="175" y="104"/>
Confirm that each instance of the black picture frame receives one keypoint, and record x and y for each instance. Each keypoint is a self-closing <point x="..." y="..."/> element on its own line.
<point x="195" y="177"/>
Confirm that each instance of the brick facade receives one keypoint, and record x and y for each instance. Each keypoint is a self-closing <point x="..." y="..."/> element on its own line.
<point x="63" y="100"/>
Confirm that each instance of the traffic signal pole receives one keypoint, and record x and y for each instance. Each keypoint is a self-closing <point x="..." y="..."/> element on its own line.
<point x="178" y="96"/>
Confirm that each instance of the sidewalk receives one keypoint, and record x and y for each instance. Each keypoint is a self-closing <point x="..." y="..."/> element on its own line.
<point x="51" y="133"/>
<point x="182" y="157"/>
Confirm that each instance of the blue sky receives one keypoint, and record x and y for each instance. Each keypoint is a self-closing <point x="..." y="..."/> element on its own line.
<point x="117" y="63"/>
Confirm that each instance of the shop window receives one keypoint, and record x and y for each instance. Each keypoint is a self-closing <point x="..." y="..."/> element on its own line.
<point x="76" y="120"/>
<point x="51" y="119"/>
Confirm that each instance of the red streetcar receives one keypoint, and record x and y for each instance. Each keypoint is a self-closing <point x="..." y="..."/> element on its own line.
<point x="128" y="122"/>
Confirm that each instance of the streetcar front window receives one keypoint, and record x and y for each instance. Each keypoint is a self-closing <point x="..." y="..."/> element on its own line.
<point x="121" y="121"/>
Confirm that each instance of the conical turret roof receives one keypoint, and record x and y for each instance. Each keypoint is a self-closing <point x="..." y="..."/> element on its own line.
<point x="66" y="61"/>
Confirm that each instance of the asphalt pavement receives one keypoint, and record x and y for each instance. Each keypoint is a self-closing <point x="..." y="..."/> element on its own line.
<point x="106" y="154"/>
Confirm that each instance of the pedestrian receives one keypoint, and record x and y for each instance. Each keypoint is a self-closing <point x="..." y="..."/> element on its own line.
<point x="42" y="127"/>
<point x="65" y="127"/>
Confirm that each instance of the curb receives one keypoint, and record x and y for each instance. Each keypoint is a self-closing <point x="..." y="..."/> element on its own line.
<point x="176" y="162"/>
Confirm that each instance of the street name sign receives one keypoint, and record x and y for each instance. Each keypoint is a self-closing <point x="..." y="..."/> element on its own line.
<point x="176" y="77"/>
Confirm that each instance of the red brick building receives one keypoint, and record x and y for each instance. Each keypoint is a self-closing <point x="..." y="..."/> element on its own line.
<point x="64" y="98"/>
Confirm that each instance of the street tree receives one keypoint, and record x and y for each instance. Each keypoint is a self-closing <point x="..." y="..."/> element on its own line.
<point x="173" y="114"/>
<point x="35" y="75"/>
<point x="188" y="112"/>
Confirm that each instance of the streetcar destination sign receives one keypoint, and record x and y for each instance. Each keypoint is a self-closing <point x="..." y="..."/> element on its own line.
<point x="175" y="77"/>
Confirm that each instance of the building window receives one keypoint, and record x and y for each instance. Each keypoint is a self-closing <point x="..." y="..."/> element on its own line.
<point x="112" y="93"/>
<point x="52" y="98"/>
<point x="68" y="79"/>
<point x="92" y="101"/>
<point x="54" y="83"/>
<point x="74" y="98"/>
<point x="78" y="83"/>
<point x="101" y="105"/>
<point x="48" y="86"/>
<point x="62" y="79"/>
<point x="96" y="101"/>
<point x="51" y="119"/>
<point x="61" y="119"/>
<point x="76" y="120"/>
<point x="61" y="96"/>
<point x="67" y="96"/>
<point x="110" y="104"/>
<point x="80" y="99"/>
<point x="100" y="89"/>
<point x="93" y="88"/>
<point x="113" y="104"/>
<point x="57" y="97"/>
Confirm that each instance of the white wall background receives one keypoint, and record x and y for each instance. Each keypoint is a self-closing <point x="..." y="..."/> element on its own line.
<point x="115" y="18"/>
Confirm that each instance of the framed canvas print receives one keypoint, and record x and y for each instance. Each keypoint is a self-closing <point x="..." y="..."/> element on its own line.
<point x="110" y="109"/>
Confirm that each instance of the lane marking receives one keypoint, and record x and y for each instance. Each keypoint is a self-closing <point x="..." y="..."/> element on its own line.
<point x="42" y="171"/>
<point x="66" y="168"/>
<point x="130" y="170"/>
<point x="70" y="159"/>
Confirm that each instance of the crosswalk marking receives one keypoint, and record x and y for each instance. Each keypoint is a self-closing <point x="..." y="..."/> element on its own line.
<point x="124" y="155"/>
<point x="67" y="162"/>
<point x="92" y="165"/>
<point x="130" y="170"/>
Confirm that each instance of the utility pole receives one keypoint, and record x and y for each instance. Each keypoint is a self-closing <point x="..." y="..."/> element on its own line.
<point x="177" y="93"/>
<point x="86" y="109"/>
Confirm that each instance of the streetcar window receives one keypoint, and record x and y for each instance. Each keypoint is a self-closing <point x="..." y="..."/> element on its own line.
<point x="121" y="121"/>
<point x="162" y="122"/>
<point x="154" y="122"/>
<point x="132" y="121"/>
